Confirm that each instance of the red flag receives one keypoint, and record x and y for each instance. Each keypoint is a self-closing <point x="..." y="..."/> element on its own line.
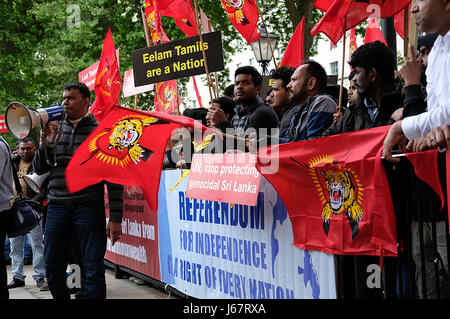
<point x="123" y="150"/>
<point x="336" y="192"/>
<point x="165" y="97"/>
<point x="154" y="22"/>
<point x="352" y="44"/>
<point x="183" y="13"/>
<point x="426" y="168"/>
<point x="294" y="54"/>
<point x="399" y="23"/>
<point x="342" y="15"/>
<point x="373" y="32"/>
<point x="332" y="23"/>
<point x="107" y="81"/>
<point x="199" y="98"/>
<point x="244" y="16"/>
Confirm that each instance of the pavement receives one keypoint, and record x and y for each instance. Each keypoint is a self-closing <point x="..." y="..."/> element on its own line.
<point x="124" y="288"/>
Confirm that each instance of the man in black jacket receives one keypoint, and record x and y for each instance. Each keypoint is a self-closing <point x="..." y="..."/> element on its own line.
<point x="374" y="65"/>
<point x="82" y="212"/>
<point x="252" y="114"/>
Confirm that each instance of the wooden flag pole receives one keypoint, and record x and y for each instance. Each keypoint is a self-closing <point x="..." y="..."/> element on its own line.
<point x="208" y="75"/>
<point x="267" y="33"/>
<point x="406" y="31"/>
<point x="341" y="89"/>
<point x="178" y="100"/>
<point x="144" y="22"/>
<point x="412" y="35"/>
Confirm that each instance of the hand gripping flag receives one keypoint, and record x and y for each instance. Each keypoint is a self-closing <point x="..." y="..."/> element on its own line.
<point x="244" y="16"/>
<point x="126" y="148"/>
<point x="108" y="82"/>
<point x="294" y="54"/>
<point x="336" y="193"/>
<point x="183" y="13"/>
<point x="342" y="15"/>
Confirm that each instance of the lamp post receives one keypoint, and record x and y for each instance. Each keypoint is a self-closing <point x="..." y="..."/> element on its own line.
<point x="261" y="49"/>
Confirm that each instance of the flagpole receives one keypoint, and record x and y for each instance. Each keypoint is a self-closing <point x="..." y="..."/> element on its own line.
<point x="341" y="89"/>
<point x="144" y="22"/>
<point x="406" y="31"/>
<point x="412" y="35"/>
<point x="208" y="75"/>
<point x="267" y="33"/>
<point x="178" y="100"/>
<point x="135" y="101"/>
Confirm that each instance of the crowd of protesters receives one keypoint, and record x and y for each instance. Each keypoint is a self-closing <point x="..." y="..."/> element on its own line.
<point x="299" y="106"/>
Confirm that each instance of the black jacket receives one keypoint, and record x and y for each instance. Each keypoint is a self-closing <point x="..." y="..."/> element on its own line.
<point x="357" y="118"/>
<point x="71" y="139"/>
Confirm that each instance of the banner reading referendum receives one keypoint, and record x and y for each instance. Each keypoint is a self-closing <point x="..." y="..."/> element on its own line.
<point x="177" y="59"/>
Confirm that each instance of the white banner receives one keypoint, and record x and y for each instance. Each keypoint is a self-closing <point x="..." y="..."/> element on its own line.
<point x="220" y="250"/>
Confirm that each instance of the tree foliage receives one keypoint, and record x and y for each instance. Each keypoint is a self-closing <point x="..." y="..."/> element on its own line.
<point x="44" y="44"/>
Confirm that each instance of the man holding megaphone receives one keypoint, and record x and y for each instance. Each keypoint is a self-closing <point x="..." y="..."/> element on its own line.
<point x="81" y="213"/>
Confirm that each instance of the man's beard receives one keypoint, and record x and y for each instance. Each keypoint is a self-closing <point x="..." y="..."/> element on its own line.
<point x="302" y="95"/>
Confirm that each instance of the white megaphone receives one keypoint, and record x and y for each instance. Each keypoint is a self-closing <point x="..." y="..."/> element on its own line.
<point x="35" y="181"/>
<point x="20" y="120"/>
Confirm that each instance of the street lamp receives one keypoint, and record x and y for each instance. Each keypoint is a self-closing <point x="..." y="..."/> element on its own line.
<point x="261" y="49"/>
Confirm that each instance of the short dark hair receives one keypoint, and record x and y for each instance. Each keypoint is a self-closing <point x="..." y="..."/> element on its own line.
<point x="198" y="114"/>
<point x="226" y="104"/>
<point x="26" y="140"/>
<point x="284" y="73"/>
<point x="84" y="90"/>
<point x="317" y="71"/>
<point x="256" y="76"/>
<point x="375" y="55"/>
<point x="351" y="75"/>
<point x="229" y="90"/>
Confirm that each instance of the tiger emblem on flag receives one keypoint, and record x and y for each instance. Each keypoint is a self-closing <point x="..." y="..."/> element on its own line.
<point x="126" y="134"/>
<point x="339" y="189"/>
<point x="238" y="13"/>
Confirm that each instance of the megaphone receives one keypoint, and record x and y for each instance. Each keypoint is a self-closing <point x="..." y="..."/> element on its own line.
<point x="20" y="120"/>
<point x="35" y="181"/>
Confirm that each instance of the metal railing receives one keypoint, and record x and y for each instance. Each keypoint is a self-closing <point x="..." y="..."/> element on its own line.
<point x="420" y="271"/>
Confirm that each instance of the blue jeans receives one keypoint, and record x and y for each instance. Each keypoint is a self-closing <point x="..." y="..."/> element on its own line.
<point x="88" y="222"/>
<point x="17" y="254"/>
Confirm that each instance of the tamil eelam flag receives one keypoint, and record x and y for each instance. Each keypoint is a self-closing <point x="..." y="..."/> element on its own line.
<point x="166" y="95"/>
<point x="336" y="192"/>
<point x="183" y="13"/>
<point x="123" y="149"/>
<point x="108" y="82"/>
<point x="244" y="17"/>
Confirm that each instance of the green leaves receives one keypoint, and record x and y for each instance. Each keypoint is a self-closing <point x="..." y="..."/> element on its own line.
<point x="44" y="44"/>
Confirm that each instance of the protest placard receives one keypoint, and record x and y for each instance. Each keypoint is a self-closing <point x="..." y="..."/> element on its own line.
<point x="231" y="178"/>
<point x="177" y="59"/>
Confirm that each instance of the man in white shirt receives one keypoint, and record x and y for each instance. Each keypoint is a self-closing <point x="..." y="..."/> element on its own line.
<point x="431" y="16"/>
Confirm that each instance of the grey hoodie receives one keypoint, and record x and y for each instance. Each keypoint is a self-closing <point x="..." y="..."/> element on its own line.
<point x="6" y="176"/>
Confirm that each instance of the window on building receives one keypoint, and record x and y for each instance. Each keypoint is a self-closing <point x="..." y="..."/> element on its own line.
<point x="334" y="68"/>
